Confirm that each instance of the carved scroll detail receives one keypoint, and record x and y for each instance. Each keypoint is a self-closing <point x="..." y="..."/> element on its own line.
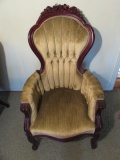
<point x="63" y="9"/>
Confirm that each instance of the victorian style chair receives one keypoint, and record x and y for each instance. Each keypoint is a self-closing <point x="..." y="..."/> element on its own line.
<point x="62" y="100"/>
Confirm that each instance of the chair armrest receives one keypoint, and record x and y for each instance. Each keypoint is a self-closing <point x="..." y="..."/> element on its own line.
<point x="31" y="93"/>
<point x="92" y="91"/>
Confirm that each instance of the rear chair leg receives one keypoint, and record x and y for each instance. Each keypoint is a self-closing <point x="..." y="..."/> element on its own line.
<point x="94" y="141"/>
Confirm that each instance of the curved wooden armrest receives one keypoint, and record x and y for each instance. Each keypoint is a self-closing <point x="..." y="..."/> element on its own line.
<point x="98" y="119"/>
<point x="26" y="109"/>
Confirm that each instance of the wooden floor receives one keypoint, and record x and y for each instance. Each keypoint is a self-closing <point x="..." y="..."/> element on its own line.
<point x="117" y="83"/>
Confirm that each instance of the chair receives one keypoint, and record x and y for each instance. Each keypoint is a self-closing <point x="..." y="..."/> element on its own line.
<point x="62" y="101"/>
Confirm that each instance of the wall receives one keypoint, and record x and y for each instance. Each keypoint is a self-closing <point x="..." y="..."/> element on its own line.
<point x="18" y="61"/>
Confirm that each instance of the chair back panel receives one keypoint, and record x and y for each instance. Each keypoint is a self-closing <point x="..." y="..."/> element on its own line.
<point x="60" y="40"/>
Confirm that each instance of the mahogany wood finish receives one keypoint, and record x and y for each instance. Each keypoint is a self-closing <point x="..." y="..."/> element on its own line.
<point x="58" y="10"/>
<point x="98" y="123"/>
<point x="25" y="108"/>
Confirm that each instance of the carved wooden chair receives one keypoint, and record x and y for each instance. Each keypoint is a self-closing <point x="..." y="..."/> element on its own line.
<point x="62" y="100"/>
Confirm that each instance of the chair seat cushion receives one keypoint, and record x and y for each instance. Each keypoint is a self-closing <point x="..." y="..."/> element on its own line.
<point x="63" y="113"/>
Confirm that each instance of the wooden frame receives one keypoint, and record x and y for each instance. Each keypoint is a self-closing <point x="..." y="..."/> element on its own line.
<point x="100" y="105"/>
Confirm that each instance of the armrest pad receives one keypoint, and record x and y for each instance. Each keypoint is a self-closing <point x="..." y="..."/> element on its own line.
<point x="92" y="91"/>
<point x="32" y="91"/>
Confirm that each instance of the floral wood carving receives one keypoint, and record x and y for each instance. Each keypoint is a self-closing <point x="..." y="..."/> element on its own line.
<point x="63" y="9"/>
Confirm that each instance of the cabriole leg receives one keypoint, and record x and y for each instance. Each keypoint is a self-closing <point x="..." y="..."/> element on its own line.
<point x="35" y="142"/>
<point x="94" y="140"/>
<point x="98" y="123"/>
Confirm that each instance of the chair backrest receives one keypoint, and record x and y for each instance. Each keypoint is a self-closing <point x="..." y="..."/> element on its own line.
<point x="61" y="39"/>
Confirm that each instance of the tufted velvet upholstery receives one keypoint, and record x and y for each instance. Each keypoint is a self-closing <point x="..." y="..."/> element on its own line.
<point x="68" y="98"/>
<point x="60" y="40"/>
<point x="63" y="113"/>
<point x="34" y="89"/>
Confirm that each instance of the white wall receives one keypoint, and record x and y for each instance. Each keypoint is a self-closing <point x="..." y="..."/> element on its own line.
<point x="18" y="61"/>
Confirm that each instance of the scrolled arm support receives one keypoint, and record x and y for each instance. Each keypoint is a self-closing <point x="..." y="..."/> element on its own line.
<point x="26" y="109"/>
<point x="98" y="119"/>
<point x="100" y="105"/>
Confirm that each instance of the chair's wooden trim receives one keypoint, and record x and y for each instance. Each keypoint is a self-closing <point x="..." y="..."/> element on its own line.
<point x="26" y="109"/>
<point x="98" y="119"/>
<point x="99" y="107"/>
<point x="64" y="139"/>
<point x="98" y="122"/>
<point x="64" y="10"/>
<point x="85" y="52"/>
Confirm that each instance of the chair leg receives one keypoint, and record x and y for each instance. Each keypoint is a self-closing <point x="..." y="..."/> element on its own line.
<point x="94" y="140"/>
<point x="98" y="123"/>
<point x="35" y="142"/>
<point x="5" y="104"/>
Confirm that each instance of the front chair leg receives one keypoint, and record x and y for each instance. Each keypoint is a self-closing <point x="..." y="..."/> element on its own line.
<point x="35" y="142"/>
<point x="98" y="123"/>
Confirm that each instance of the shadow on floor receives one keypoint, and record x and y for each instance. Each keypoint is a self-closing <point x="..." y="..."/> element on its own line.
<point x="3" y="97"/>
<point x="4" y="81"/>
<point x="109" y="115"/>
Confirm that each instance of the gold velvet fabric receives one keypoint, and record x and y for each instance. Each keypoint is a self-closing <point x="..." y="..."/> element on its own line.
<point x="62" y="114"/>
<point x="32" y="91"/>
<point x="61" y="40"/>
<point x="92" y="91"/>
<point x="69" y="98"/>
<point x="62" y="109"/>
